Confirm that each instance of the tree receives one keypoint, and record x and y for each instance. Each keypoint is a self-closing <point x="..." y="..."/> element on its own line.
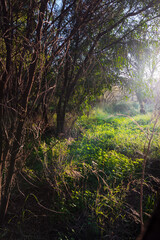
<point x="33" y="41"/>
<point x="95" y="39"/>
<point x="138" y="64"/>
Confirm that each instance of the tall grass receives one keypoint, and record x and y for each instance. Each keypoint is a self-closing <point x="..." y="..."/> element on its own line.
<point x="95" y="175"/>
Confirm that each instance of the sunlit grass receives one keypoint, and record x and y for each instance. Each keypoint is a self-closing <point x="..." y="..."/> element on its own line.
<point x="93" y="174"/>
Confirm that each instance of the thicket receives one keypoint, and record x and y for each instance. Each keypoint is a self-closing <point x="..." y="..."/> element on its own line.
<point x="87" y="186"/>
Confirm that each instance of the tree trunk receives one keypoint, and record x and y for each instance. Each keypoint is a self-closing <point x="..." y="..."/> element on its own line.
<point x="5" y="190"/>
<point x="141" y="102"/>
<point x="61" y="112"/>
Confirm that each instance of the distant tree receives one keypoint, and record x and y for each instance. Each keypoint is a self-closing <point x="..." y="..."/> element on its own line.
<point x="138" y="61"/>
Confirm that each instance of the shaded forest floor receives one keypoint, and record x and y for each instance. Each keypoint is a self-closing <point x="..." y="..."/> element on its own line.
<point x="87" y="185"/>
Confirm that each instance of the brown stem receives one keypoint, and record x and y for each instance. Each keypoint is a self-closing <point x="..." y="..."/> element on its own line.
<point x="146" y="153"/>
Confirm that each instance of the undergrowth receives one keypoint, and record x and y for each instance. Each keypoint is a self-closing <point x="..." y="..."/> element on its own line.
<point x="92" y="181"/>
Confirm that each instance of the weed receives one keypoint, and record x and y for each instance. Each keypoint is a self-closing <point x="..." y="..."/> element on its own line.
<point x="91" y="176"/>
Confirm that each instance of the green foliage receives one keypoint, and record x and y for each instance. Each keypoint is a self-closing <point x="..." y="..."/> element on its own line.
<point x="125" y="135"/>
<point x="91" y="177"/>
<point x="124" y="107"/>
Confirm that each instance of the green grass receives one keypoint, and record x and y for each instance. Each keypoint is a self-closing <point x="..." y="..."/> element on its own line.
<point x="93" y="176"/>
